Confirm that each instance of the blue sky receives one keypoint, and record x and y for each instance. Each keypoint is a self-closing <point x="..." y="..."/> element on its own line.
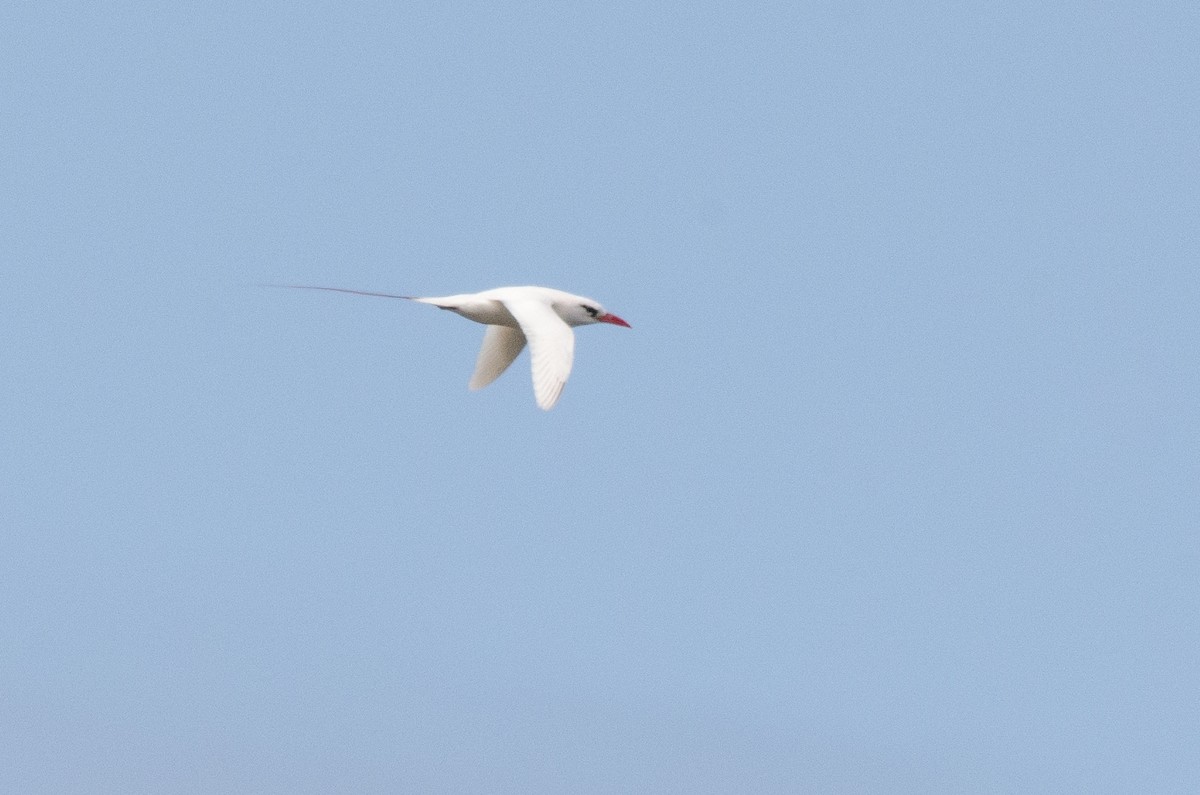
<point x="891" y="487"/>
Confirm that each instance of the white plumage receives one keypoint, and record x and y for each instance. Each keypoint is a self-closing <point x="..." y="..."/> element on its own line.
<point x="515" y="316"/>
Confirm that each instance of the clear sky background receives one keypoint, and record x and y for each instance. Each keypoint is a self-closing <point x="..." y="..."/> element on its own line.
<point x="891" y="487"/>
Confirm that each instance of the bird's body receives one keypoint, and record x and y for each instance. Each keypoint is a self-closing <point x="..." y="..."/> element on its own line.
<point x="515" y="316"/>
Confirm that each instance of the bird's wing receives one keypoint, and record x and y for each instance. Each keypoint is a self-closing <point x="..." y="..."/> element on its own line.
<point x="551" y="347"/>
<point x="501" y="344"/>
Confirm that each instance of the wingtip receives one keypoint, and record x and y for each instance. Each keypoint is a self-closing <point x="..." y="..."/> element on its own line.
<point x="548" y="398"/>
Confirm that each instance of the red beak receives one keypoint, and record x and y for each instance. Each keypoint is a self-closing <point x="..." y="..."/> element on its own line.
<point x="611" y="318"/>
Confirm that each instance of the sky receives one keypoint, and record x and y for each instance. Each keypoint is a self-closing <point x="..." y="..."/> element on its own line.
<point x="891" y="487"/>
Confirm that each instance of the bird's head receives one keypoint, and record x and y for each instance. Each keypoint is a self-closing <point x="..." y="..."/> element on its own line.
<point x="585" y="313"/>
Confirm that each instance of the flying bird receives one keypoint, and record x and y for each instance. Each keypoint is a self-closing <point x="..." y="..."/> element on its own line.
<point x="515" y="316"/>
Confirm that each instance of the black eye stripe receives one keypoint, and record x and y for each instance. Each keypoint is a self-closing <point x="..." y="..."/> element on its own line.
<point x="591" y="310"/>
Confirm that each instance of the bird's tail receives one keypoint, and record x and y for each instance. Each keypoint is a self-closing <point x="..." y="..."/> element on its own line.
<point x="341" y="290"/>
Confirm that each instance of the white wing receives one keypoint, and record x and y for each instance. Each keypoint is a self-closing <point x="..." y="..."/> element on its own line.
<point x="551" y="347"/>
<point x="501" y="344"/>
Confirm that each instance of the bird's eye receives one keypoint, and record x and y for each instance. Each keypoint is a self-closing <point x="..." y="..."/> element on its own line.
<point x="591" y="310"/>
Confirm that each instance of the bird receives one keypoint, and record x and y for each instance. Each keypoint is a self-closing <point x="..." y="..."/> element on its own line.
<point x="541" y="317"/>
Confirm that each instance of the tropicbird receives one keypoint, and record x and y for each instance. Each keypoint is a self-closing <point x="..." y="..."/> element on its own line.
<point x="514" y="316"/>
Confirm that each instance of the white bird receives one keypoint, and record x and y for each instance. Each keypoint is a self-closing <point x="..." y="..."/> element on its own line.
<point x="514" y="316"/>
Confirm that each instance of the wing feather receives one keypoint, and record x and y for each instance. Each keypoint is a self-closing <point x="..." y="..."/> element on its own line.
<point x="551" y="348"/>
<point x="501" y="344"/>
